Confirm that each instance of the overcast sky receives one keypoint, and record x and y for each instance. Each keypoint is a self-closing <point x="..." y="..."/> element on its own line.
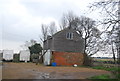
<point x="20" y="20"/>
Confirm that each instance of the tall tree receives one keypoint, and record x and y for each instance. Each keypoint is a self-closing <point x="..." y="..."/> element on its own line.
<point x="91" y="34"/>
<point x="43" y="37"/>
<point x="48" y="29"/>
<point x="44" y="31"/>
<point x="68" y="20"/>
<point x="111" y="20"/>
<point x="52" y="28"/>
<point x="87" y="28"/>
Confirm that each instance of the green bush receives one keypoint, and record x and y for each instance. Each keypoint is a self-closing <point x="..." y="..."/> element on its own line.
<point x="16" y="58"/>
<point x="33" y="57"/>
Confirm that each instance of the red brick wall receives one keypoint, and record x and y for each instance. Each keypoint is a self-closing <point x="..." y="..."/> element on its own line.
<point x="67" y="58"/>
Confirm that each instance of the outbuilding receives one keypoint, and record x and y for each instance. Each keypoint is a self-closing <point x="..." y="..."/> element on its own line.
<point x="65" y="47"/>
<point x="25" y="55"/>
<point x="8" y="55"/>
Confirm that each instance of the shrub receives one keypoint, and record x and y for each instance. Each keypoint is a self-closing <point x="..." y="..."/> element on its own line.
<point x="16" y="58"/>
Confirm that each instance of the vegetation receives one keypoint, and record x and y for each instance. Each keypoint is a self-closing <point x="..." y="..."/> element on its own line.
<point x="114" y="70"/>
<point x="16" y="58"/>
<point x="35" y="49"/>
<point x="34" y="57"/>
<point x="101" y="77"/>
<point x="106" y="68"/>
<point x="110" y="11"/>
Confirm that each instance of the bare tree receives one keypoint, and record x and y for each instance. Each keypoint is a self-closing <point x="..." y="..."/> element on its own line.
<point x="68" y="20"/>
<point x="92" y="39"/>
<point x="44" y="31"/>
<point x="87" y="28"/>
<point x="28" y="43"/>
<point x="63" y="22"/>
<point x="47" y="30"/>
<point x="43" y="37"/>
<point x="111" y="11"/>
<point x="91" y="34"/>
<point x="52" y="28"/>
<point x="109" y="44"/>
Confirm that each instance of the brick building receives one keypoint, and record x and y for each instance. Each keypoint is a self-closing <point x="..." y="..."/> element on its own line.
<point x="66" y="47"/>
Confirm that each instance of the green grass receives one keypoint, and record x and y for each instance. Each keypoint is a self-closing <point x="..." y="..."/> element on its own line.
<point x="103" y="68"/>
<point x="106" y="68"/>
<point x="112" y="69"/>
<point x="118" y="76"/>
<point x="103" y="80"/>
<point x="101" y="77"/>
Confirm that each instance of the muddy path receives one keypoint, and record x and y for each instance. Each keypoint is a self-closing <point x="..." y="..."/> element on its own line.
<point x="32" y="71"/>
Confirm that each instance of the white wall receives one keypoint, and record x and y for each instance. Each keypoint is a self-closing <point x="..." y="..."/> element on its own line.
<point x="47" y="57"/>
<point x="25" y="55"/>
<point x="8" y="54"/>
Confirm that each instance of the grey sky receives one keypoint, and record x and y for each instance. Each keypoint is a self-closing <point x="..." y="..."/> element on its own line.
<point x="20" y="20"/>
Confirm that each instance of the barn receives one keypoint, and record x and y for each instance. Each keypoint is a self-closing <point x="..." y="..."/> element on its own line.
<point x="66" y="47"/>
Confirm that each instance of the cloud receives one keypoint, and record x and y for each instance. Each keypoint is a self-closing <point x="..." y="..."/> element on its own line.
<point x="54" y="8"/>
<point x="20" y="20"/>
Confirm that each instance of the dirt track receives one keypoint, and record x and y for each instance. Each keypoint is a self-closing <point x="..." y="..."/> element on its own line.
<point x="32" y="71"/>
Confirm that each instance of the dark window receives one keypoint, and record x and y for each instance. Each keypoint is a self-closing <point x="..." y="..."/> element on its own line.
<point x="69" y="35"/>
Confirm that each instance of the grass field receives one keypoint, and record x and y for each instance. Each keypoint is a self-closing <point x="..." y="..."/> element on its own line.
<point x="96" y="59"/>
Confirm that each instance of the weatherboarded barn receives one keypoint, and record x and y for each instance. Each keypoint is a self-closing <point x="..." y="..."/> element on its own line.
<point x="66" y="46"/>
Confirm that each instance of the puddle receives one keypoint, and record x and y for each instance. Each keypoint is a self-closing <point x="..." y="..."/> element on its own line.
<point x="41" y="75"/>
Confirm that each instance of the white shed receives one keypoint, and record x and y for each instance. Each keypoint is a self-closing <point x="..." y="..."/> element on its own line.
<point x="25" y="55"/>
<point x="8" y="54"/>
<point x="47" y="57"/>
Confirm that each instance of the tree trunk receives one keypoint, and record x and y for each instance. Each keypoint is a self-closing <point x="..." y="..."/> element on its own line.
<point x="113" y="54"/>
<point x="84" y="46"/>
<point x="87" y="60"/>
<point x="118" y="45"/>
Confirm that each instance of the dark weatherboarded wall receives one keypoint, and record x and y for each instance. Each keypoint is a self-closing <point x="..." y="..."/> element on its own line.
<point x="60" y="43"/>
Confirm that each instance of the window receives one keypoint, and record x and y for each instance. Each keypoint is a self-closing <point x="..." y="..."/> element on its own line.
<point x="69" y="35"/>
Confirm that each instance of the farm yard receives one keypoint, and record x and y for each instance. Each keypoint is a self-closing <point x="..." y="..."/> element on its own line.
<point x="43" y="40"/>
<point x="32" y="71"/>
